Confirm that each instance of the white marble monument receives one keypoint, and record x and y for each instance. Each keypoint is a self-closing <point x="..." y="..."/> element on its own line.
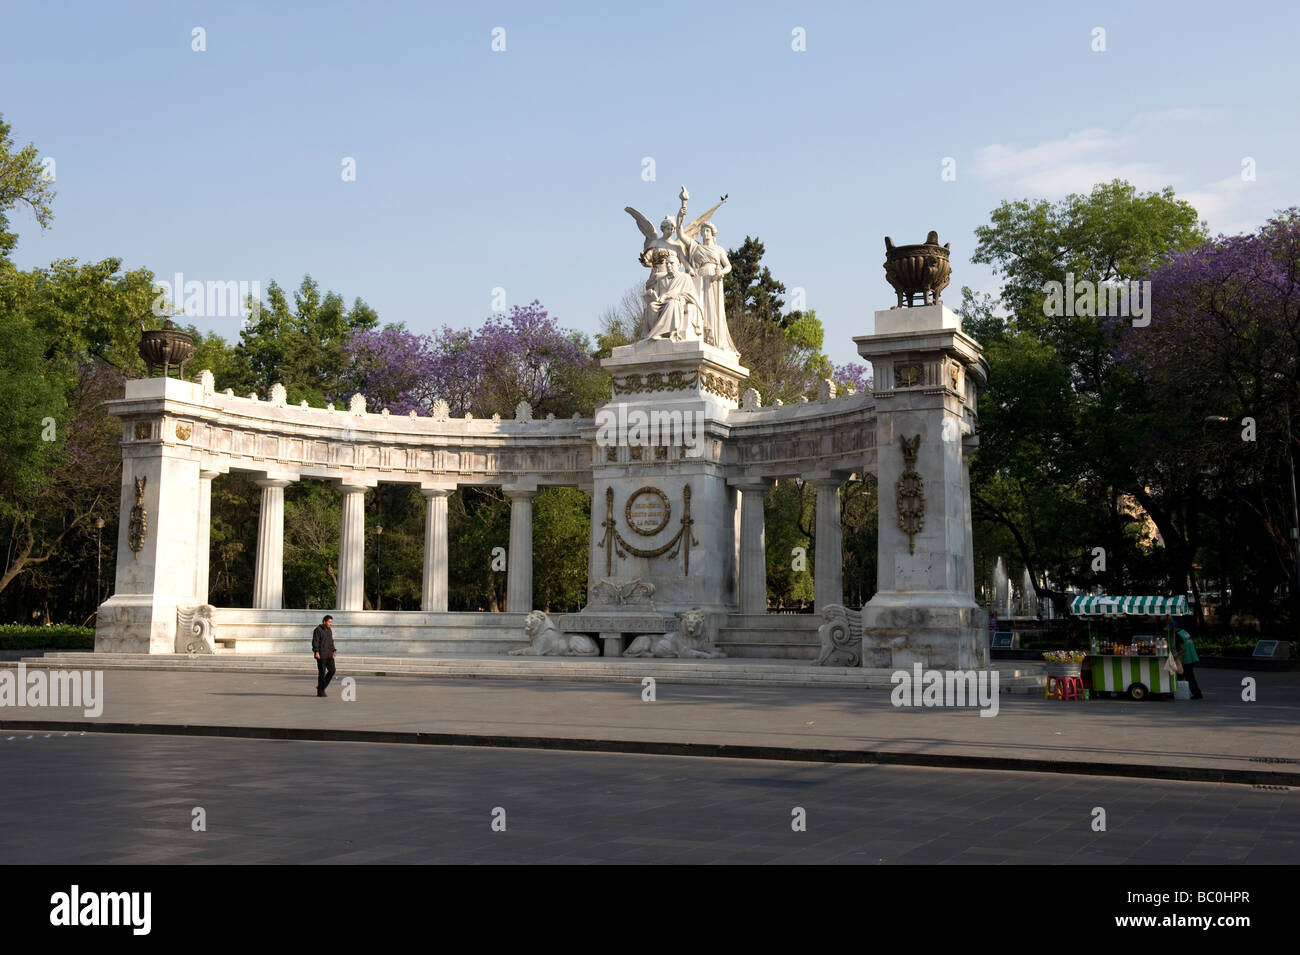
<point x="676" y="462"/>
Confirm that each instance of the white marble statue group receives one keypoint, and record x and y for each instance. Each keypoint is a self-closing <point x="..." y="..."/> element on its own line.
<point x="683" y="296"/>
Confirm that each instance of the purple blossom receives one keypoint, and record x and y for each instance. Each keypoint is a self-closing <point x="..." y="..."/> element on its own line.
<point x="393" y="368"/>
<point x="519" y="356"/>
<point x="855" y="374"/>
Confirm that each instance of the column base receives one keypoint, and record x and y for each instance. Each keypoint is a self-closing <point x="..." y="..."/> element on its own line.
<point x="940" y="630"/>
<point x="135" y="623"/>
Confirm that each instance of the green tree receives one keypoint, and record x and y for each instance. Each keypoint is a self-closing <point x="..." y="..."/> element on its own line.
<point x="302" y="346"/>
<point x="22" y="182"/>
<point x="1061" y="420"/>
<point x="72" y="331"/>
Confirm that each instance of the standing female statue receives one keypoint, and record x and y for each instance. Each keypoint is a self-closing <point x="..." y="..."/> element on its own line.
<point x="709" y="262"/>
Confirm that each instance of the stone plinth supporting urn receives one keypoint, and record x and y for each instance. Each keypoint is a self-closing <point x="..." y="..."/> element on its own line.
<point x="166" y="346"/>
<point x="928" y="376"/>
<point x="915" y="270"/>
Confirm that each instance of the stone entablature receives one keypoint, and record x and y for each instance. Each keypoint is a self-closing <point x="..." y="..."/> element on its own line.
<point x="838" y="435"/>
<point x="233" y="433"/>
<point x="225" y="433"/>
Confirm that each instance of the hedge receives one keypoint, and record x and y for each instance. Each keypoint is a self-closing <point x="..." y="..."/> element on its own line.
<point x="17" y="636"/>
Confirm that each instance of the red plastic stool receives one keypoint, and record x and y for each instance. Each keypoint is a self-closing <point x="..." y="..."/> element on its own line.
<point x="1069" y="687"/>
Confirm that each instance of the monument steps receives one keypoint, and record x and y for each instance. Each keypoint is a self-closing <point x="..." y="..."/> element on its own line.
<point x="728" y="672"/>
<point x="766" y="650"/>
<point x="412" y="646"/>
<point x="771" y="636"/>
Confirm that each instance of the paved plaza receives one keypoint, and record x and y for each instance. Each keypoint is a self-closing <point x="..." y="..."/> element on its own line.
<point x="102" y="798"/>
<point x="125" y="790"/>
<point x="1220" y="733"/>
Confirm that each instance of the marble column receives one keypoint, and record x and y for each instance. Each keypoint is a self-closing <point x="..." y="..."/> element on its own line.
<point x="753" y="550"/>
<point x="733" y="553"/>
<point x="203" y="539"/>
<point x="435" y="549"/>
<point x="352" y="549"/>
<point x="828" y="566"/>
<point x="519" y="567"/>
<point x="268" y="579"/>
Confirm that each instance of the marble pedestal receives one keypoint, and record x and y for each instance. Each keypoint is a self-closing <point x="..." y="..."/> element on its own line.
<point x="661" y="509"/>
<point x="928" y="375"/>
<point x="157" y="568"/>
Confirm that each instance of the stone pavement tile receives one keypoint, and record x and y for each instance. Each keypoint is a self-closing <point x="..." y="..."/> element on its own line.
<point x="931" y="852"/>
<point x="1101" y="860"/>
<point x="1273" y="855"/>
<point x="278" y="820"/>
<point x="729" y="714"/>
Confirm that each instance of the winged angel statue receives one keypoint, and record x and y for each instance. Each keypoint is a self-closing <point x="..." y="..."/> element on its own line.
<point x="683" y="295"/>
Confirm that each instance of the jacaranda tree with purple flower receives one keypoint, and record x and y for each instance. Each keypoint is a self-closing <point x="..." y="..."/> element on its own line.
<point x="1220" y="365"/>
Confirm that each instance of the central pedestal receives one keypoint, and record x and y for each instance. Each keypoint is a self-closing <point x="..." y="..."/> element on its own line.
<point x="661" y="512"/>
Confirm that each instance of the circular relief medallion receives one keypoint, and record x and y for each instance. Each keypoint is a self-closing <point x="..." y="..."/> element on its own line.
<point x="647" y="511"/>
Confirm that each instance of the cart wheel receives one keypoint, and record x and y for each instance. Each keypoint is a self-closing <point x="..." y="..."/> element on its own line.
<point x="1137" y="692"/>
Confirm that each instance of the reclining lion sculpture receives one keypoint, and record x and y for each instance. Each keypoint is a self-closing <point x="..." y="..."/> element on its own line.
<point x="545" y="639"/>
<point x="689" y="640"/>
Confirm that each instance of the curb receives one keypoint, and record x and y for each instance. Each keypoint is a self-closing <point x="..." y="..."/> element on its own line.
<point x="1247" y="777"/>
<point x="682" y="676"/>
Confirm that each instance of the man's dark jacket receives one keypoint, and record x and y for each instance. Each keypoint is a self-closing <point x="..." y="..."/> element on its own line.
<point x="322" y="641"/>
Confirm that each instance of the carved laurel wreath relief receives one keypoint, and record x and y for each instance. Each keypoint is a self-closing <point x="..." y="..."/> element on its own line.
<point x="615" y="543"/>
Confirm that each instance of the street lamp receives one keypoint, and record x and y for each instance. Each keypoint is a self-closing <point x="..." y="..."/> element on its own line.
<point x="379" y="567"/>
<point x="99" y="560"/>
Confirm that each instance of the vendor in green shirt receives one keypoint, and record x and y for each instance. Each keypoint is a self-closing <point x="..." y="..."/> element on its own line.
<point x="1185" y="651"/>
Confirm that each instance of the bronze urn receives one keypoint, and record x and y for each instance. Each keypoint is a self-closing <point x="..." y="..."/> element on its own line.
<point x="915" y="270"/>
<point x="166" y="346"/>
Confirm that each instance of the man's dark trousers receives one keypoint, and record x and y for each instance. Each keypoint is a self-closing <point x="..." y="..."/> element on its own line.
<point x="325" y="672"/>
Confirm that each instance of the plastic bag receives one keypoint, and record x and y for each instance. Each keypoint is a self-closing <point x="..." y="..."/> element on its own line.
<point x="1182" y="690"/>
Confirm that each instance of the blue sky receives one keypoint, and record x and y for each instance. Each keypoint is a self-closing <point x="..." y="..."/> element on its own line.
<point x="478" y="170"/>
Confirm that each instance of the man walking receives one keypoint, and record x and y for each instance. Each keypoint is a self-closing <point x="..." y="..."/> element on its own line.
<point x="322" y="645"/>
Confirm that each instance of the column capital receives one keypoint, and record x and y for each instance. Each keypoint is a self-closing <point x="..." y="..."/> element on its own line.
<point x="208" y="474"/>
<point x="750" y="482"/>
<point x="353" y="486"/>
<point x="520" y="492"/>
<point x="437" y="490"/>
<point x="273" y="481"/>
<point x="827" y="478"/>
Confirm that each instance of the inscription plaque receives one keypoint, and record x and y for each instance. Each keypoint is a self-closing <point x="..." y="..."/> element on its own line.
<point x="647" y="511"/>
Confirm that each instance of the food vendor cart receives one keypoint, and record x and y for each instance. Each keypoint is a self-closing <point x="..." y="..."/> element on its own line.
<point x="1122" y="660"/>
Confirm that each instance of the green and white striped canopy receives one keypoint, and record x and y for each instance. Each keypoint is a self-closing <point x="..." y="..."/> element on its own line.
<point x="1135" y="606"/>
